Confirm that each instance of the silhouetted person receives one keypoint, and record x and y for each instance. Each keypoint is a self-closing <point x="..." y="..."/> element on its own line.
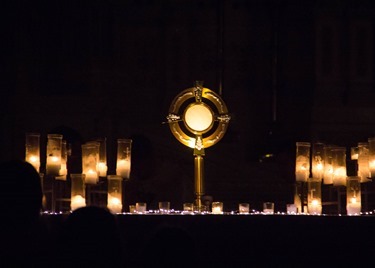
<point x="22" y="235"/>
<point x="89" y="238"/>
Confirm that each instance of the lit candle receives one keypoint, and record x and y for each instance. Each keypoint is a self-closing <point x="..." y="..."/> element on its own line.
<point x="77" y="201"/>
<point x="91" y="177"/>
<point x="63" y="170"/>
<point x="302" y="168"/>
<point x="291" y="209"/>
<point x="328" y="174"/>
<point x="339" y="176"/>
<point x="141" y="207"/>
<point x="244" y="208"/>
<point x="318" y="170"/>
<point x="216" y="210"/>
<point x="314" y="207"/>
<point x="123" y="168"/>
<point x="353" y="207"/>
<point x="35" y="161"/>
<point x="102" y="169"/>
<point x="53" y="165"/>
<point x="114" y="204"/>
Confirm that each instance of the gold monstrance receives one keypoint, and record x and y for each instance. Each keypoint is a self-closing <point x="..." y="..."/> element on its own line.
<point x="198" y="118"/>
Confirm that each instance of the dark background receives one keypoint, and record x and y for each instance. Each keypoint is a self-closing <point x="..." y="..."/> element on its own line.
<point x="288" y="71"/>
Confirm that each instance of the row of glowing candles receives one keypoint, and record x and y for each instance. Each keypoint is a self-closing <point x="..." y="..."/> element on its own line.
<point x="94" y="159"/>
<point x="328" y="166"/>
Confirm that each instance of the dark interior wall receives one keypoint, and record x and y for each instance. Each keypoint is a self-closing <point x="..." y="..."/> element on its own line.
<point x="112" y="68"/>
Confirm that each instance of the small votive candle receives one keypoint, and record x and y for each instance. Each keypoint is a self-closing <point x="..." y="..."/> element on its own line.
<point x="164" y="207"/>
<point x="244" y="208"/>
<point x="314" y="207"/>
<point x="217" y="207"/>
<point x="141" y="207"/>
<point x="291" y="209"/>
<point x="268" y="207"/>
<point x="188" y="207"/>
<point x="132" y="209"/>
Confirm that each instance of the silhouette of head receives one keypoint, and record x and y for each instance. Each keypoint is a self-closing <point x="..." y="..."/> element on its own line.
<point x="21" y="191"/>
<point x="91" y="236"/>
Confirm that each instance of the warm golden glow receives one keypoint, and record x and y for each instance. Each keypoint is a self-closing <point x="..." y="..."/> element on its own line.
<point x="198" y="117"/>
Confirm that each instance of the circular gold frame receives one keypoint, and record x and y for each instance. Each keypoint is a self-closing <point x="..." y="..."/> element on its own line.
<point x="211" y="100"/>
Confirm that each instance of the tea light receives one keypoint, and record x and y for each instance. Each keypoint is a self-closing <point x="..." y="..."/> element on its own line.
<point x="123" y="168"/>
<point x="188" y="207"/>
<point x="244" y="208"/>
<point x="114" y="204"/>
<point x="353" y="207"/>
<point x="291" y="209"/>
<point x="77" y="201"/>
<point x="217" y="208"/>
<point x="140" y="207"/>
<point x="268" y="207"/>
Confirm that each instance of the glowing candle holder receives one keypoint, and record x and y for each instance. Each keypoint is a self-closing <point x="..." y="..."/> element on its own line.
<point x="54" y="149"/>
<point x="64" y="160"/>
<point x="302" y="161"/>
<point x="102" y="164"/>
<point x="114" y="197"/>
<point x="339" y="166"/>
<point x="123" y="163"/>
<point x="77" y="198"/>
<point x="371" y="159"/>
<point x="141" y="207"/>
<point x="268" y="207"/>
<point x="32" y="150"/>
<point x="318" y="160"/>
<point x="188" y="208"/>
<point x="90" y="158"/>
<point x="164" y="207"/>
<point x="353" y="195"/>
<point x="314" y="196"/>
<point x="328" y="169"/>
<point x="291" y="209"/>
<point x="244" y="208"/>
<point x="363" y="162"/>
<point x="217" y="207"/>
